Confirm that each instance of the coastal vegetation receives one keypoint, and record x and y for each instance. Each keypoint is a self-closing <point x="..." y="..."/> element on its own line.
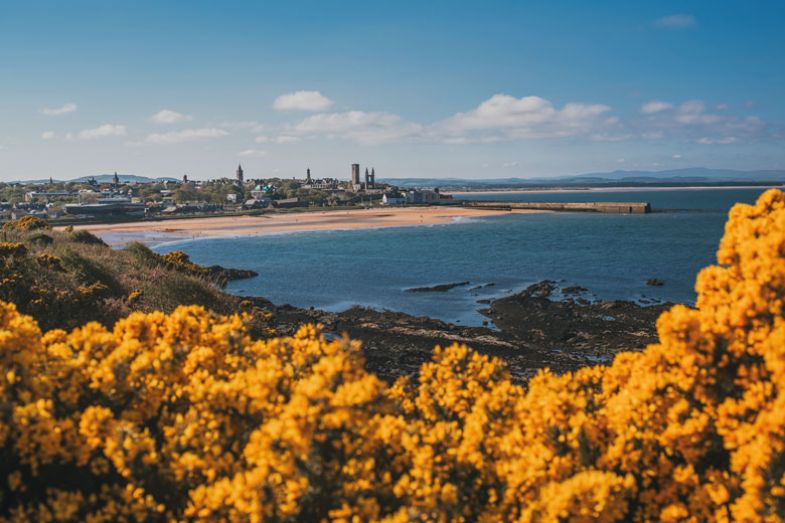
<point x="188" y="415"/>
<point x="65" y="279"/>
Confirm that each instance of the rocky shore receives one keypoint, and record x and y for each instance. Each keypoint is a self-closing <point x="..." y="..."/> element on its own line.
<point x="542" y="326"/>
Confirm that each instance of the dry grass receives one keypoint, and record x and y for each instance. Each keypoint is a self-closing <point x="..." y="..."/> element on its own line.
<point x="67" y="278"/>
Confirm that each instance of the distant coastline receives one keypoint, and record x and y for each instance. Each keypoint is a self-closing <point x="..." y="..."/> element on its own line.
<point x="641" y="188"/>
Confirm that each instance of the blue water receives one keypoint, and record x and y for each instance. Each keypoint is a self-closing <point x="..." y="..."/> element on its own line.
<point x="611" y="255"/>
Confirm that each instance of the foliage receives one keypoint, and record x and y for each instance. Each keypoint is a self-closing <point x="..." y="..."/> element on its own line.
<point x="8" y="249"/>
<point x="65" y="279"/>
<point x="26" y="223"/>
<point x="40" y="239"/>
<point x="83" y="236"/>
<point x="185" y="416"/>
<point x="180" y="261"/>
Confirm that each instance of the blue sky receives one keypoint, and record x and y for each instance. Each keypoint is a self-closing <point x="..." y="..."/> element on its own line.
<point x="442" y="89"/>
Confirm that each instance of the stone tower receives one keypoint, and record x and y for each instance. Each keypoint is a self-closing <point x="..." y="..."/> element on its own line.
<point x="355" y="174"/>
<point x="240" y="174"/>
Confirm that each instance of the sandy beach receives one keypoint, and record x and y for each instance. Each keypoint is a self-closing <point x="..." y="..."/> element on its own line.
<point x="156" y="232"/>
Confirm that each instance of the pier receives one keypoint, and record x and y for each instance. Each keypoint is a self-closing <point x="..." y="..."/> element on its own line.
<point x="603" y="207"/>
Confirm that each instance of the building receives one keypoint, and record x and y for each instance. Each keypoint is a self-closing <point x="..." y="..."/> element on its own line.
<point x="36" y="195"/>
<point x="370" y="179"/>
<point x="355" y="182"/>
<point x="426" y="196"/>
<point x="240" y="174"/>
<point x="287" y="203"/>
<point x="106" y="207"/>
<point x="256" y="203"/>
<point x="389" y="199"/>
<point x="261" y="191"/>
<point x="325" y="184"/>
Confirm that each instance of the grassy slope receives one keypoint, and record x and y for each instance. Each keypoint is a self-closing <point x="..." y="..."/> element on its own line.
<point x="64" y="279"/>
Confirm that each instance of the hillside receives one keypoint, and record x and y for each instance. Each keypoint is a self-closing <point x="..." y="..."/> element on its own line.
<point x="124" y="178"/>
<point x="64" y="279"/>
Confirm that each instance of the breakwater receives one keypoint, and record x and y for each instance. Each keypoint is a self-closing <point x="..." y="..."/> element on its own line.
<point x="603" y="207"/>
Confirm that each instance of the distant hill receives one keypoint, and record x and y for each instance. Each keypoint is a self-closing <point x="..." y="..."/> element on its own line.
<point x="690" y="174"/>
<point x="694" y="175"/>
<point x="124" y="178"/>
<point x="102" y="178"/>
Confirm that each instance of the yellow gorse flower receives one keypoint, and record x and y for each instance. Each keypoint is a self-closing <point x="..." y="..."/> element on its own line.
<point x="184" y="416"/>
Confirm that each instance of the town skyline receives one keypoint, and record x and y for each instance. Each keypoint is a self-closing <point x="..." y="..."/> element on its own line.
<point x="444" y="90"/>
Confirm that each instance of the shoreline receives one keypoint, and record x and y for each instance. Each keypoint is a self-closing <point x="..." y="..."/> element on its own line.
<point x="538" y="326"/>
<point x="173" y="230"/>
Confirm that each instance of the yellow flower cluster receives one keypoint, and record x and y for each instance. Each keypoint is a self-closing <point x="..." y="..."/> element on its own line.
<point x="184" y="416"/>
<point x="180" y="261"/>
<point x="134" y="296"/>
<point x="12" y="249"/>
<point x="26" y="223"/>
<point x="49" y="260"/>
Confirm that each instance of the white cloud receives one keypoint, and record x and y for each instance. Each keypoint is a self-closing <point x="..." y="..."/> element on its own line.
<point x="287" y="139"/>
<point x="500" y="118"/>
<point x="104" y="131"/>
<point x="504" y="117"/>
<point x="284" y="138"/>
<point x="253" y="153"/>
<point x="312" y="101"/>
<point x="679" y="21"/>
<point x="167" y="116"/>
<point x="510" y="164"/>
<point x="57" y="111"/>
<point x="253" y="125"/>
<point x="47" y="135"/>
<point x="692" y="121"/>
<point x="359" y="126"/>
<point x="609" y="137"/>
<point x="655" y="106"/>
<point x="694" y="112"/>
<point x="186" y="135"/>
<point x="727" y="140"/>
<point x="677" y="157"/>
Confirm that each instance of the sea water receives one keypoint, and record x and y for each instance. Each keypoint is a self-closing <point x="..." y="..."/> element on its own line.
<point x="611" y="255"/>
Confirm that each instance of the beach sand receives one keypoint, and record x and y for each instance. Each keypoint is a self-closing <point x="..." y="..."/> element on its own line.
<point x="156" y="232"/>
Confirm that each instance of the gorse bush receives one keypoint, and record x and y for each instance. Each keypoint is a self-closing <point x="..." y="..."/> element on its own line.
<point x="184" y="416"/>
<point x="87" y="237"/>
<point x="56" y="278"/>
<point x="26" y="223"/>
